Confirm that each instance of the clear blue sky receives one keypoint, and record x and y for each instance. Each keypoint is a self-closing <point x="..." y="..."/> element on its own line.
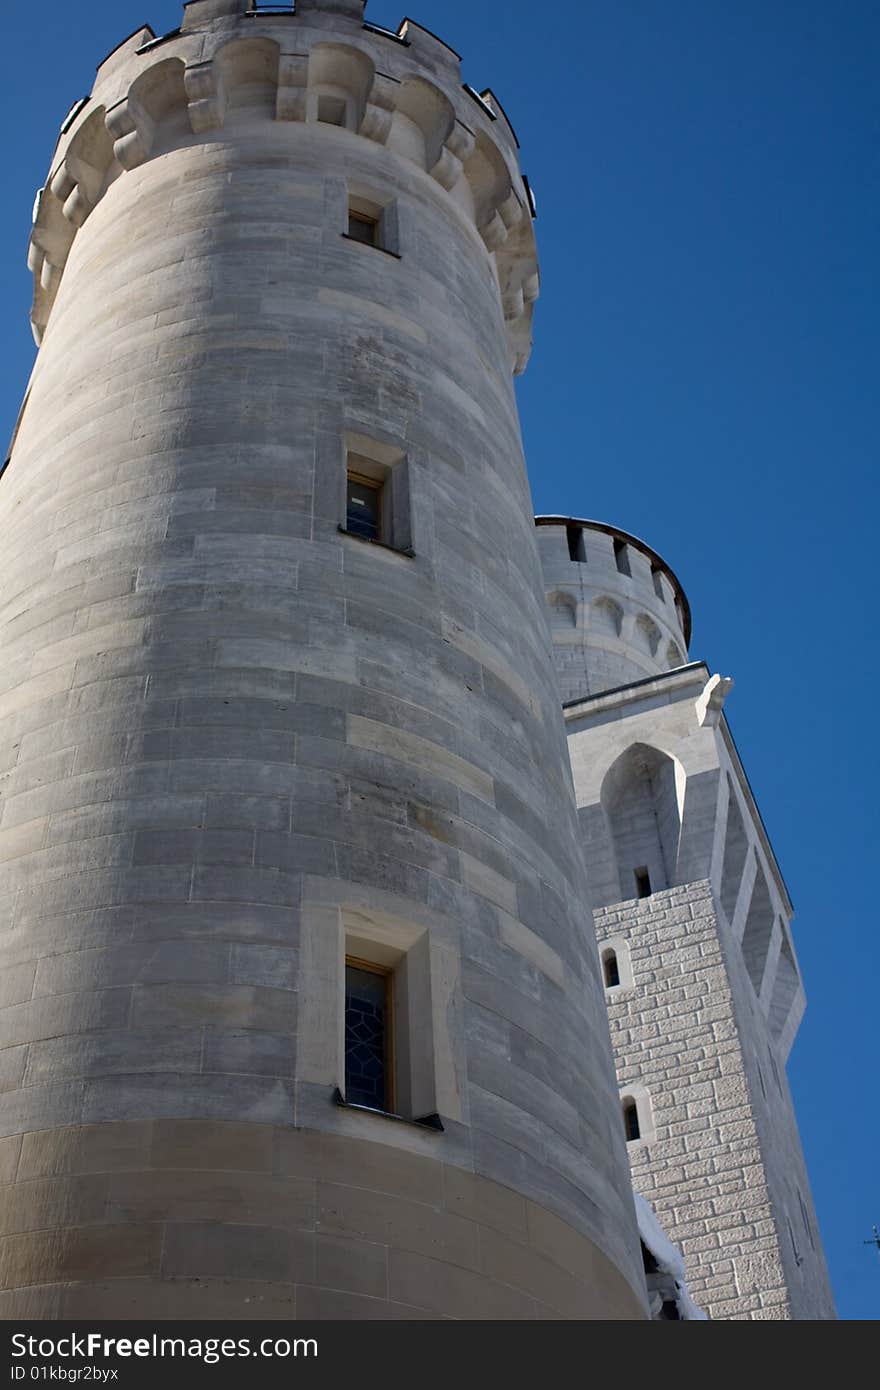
<point x="705" y="375"/>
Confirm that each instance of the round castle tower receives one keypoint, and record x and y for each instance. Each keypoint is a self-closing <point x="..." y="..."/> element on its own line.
<point x="304" y="1016"/>
<point x="617" y="612"/>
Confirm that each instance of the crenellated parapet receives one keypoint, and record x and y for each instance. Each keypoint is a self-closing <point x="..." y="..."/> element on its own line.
<point x="618" y="613"/>
<point x="319" y="63"/>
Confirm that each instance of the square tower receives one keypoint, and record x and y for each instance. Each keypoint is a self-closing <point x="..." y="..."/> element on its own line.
<point x="692" y="917"/>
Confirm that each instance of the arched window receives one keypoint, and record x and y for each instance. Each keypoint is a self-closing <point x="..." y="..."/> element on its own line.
<point x="638" y="1115"/>
<point x="640" y="797"/>
<point x="609" y="969"/>
<point x="631" y="1127"/>
<point x="616" y="964"/>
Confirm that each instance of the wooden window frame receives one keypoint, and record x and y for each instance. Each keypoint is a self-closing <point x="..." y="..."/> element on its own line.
<point x="366" y="220"/>
<point x="389" y="1056"/>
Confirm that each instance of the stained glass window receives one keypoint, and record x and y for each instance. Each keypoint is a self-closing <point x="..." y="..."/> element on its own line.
<point x="367" y="1036"/>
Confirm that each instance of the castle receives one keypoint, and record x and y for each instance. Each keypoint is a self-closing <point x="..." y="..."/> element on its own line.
<point x="303" y="1011"/>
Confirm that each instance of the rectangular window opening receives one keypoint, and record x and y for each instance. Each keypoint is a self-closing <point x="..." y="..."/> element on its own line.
<point x="575" y="537"/>
<point x="363" y="228"/>
<point x="658" y="583"/>
<point x="621" y="557"/>
<point x="369" y="1035"/>
<point x="377" y="493"/>
<point x="363" y="506"/>
<point x="372" y="219"/>
<point x="643" y="883"/>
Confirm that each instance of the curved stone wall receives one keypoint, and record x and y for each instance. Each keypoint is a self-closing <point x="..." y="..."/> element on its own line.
<point x="239" y="742"/>
<point x="617" y="612"/>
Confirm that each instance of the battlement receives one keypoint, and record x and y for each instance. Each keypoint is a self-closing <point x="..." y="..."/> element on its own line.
<point x="618" y="613"/>
<point x="318" y="63"/>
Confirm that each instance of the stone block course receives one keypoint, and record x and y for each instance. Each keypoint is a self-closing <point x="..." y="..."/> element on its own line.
<point x="224" y="709"/>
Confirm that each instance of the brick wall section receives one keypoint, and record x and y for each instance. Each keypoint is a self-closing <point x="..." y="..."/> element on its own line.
<point x="724" y="1166"/>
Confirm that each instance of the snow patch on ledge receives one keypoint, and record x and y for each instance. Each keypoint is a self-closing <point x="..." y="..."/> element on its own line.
<point x="669" y="1259"/>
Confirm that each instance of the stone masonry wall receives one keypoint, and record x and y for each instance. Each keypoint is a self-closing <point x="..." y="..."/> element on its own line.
<point x="723" y="1157"/>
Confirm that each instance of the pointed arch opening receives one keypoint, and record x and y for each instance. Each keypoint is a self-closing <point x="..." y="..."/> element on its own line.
<point x="641" y="798"/>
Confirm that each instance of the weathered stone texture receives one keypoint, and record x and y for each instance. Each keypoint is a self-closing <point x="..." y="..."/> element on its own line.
<point x="183" y="1219"/>
<point x="724" y="1169"/>
<point x="232" y="737"/>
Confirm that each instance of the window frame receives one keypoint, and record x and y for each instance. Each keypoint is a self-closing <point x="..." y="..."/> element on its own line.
<point x="365" y="220"/>
<point x="380" y="209"/>
<point x="376" y="485"/>
<point x="620" y="947"/>
<point x="386" y="466"/>
<point x="610" y="965"/>
<point x="636" y="1095"/>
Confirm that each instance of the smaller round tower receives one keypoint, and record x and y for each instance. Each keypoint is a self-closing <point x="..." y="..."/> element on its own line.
<point x="618" y="613"/>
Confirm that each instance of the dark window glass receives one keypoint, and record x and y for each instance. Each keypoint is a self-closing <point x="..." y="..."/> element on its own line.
<point x="362" y="228"/>
<point x="367" y="1038"/>
<point x="643" y="883"/>
<point x="631" y="1120"/>
<point x="612" y="974"/>
<point x="363" y="507"/>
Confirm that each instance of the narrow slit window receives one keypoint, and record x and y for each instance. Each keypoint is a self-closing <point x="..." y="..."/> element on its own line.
<point x="658" y="582"/>
<point x="643" y="883"/>
<point x="631" y="1126"/>
<point x="621" y="557"/>
<point x="368" y="1035"/>
<point x="363" y="507"/>
<point x="363" y="228"/>
<point x="610" y="970"/>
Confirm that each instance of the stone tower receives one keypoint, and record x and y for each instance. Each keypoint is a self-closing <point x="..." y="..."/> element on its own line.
<point x="702" y="984"/>
<point x="278" y="718"/>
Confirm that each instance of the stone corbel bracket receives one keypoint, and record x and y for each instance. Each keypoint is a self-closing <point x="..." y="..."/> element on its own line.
<point x="458" y="148"/>
<point x="293" y="81"/>
<point x="380" y="107"/>
<point x="133" y="132"/>
<point x="205" y="96"/>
